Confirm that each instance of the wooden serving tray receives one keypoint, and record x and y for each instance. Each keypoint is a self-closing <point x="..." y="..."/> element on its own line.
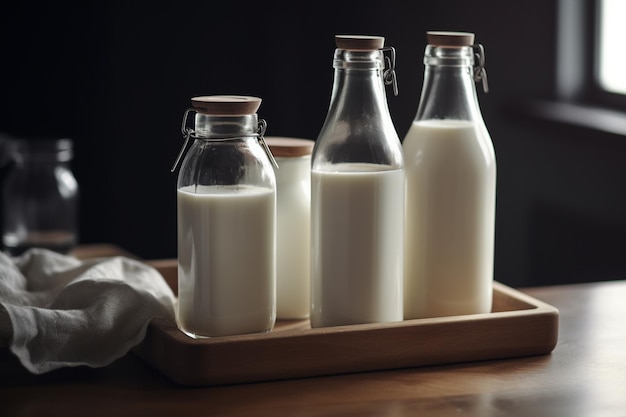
<point x="519" y="325"/>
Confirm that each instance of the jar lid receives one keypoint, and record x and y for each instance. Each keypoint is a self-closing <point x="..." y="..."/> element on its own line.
<point x="455" y="39"/>
<point x="359" y="42"/>
<point x="289" y="147"/>
<point x="43" y="148"/>
<point x="226" y="105"/>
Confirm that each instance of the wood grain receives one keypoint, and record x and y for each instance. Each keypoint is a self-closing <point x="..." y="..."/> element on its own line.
<point x="585" y="375"/>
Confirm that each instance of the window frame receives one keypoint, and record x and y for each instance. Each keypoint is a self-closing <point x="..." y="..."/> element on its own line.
<point x="578" y="50"/>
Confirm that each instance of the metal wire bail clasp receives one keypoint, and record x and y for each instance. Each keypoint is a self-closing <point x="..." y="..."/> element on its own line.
<point x="190" y="133"/>
<point x="389" y="75"/>
<point x="266" y="148"/>
<point x="480" y="73"/>
<point x="187" y="133"/>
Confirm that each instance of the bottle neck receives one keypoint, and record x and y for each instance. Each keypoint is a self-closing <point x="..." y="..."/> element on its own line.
<point x="358" y="127"/>
<point x="449" y="90"/>
<point x="358" y="88"/>
<point x="225" y="127"/>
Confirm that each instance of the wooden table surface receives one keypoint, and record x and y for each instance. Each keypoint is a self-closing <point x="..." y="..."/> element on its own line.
<point x="584" y="376"/>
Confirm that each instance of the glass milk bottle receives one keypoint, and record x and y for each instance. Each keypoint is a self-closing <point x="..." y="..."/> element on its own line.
<point x="357" y="194"/>
<point x="293" y="213"/>
<point x="40" y="197"/>
<point x="450" y="186"/>
<point x="226" y="201"/>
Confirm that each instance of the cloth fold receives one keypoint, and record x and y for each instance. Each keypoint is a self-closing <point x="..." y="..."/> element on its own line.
<point x="57" y="311"/>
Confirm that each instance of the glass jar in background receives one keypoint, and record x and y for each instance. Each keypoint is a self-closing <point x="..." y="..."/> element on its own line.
<point x="293" y="218"/>
<point x="40" y="197"/>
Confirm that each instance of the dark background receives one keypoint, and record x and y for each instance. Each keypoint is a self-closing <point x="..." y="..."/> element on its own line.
<point x="117" y="78"/>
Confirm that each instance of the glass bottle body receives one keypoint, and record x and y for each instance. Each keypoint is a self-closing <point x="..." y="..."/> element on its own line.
<point x="357" y="198"/>
<point x="293" y="237"/>
<point x="40" y="198"/>
<point x="293" y="226"/>
<point x="226" y="201"/>
<point x="450" y="192"/>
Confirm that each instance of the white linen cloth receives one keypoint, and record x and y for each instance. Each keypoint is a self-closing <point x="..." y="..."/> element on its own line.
<point x="57" y="311"/>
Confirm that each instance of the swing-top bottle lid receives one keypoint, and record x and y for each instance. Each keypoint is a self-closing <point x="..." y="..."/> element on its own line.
<point x="450" y="39"/>
<point x="359" y="42"/>
<point x="224" y="105"/>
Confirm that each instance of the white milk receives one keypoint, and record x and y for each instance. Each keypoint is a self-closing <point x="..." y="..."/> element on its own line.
<point x="450" y="211"/>
<point x="357" y="245"/>
<point x="293" y="208"/>
<point x="226" y="258"/>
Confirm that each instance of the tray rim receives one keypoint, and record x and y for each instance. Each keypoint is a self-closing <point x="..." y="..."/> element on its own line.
<point x="536" y="307"/>
<point x="164" y="341"/>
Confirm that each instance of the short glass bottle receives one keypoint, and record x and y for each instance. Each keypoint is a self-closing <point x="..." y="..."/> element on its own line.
<point x="40" y="197"/>
<point x="226" y="201"/>
<point x="357" y="194"/>
<point x="293" y="224"/>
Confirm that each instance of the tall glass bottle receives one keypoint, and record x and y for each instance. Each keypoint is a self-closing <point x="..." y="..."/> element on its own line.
<point x="450" y="186"/>
<point x="357" y="194"/>
<point x="226" y="221"/>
